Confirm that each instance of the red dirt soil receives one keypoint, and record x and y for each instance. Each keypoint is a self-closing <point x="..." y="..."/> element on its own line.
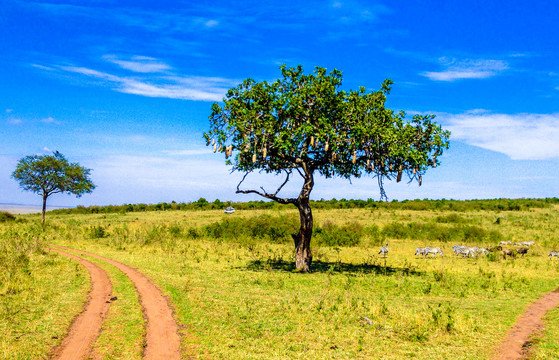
<point x="162" y="332"/>
<point x="163" y="340"/>
<point x="516" y="344"/>
<point x="86" y="327"/>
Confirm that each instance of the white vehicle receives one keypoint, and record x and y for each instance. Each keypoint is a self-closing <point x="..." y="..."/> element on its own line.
<point x="229" y="210"/>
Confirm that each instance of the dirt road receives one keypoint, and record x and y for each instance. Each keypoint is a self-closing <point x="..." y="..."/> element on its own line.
<point x="86" y="327"/>
<point x="517" y="343"/>
<point x="162" y="332"/>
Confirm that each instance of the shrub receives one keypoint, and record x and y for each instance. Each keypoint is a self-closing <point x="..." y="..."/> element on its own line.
<point x="451" y="219"/>
<point x="276" y="229"/>
<point x="333" y="235"/>
<point x="175" y="231"/>
<point x="97" y="232"/>
<point x="6" y="216"/>
<point x="375" y="235"/>
<point x="396" y="231"/>
<point x="193" y="233"/>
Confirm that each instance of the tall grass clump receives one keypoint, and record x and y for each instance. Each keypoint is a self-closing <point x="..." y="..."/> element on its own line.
<point x="40" y="293"/>
<point x="276" y="229"/>
<point x="15" y="250"/>
<point x="6" y="217"/>
<point x="330" y="234"/>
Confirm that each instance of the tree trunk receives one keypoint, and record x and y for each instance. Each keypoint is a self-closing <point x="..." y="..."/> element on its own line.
<point x="303" y="254"/>
<point x="44" y="210"/>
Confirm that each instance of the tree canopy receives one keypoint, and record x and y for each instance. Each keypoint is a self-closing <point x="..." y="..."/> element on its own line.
<point x="305" y="123"/>
<point x="50" y="174"/>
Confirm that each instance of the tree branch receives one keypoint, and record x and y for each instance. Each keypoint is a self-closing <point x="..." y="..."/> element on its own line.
<point x="266" y="195"/>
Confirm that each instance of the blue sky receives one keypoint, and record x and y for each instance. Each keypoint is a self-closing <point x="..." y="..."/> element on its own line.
<point x="125" y="88"/>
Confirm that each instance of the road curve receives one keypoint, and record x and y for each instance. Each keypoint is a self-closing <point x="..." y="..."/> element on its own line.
<point x="162" y="332"/>
<point x="529" y="324"/>
<point x="85" y="329"/>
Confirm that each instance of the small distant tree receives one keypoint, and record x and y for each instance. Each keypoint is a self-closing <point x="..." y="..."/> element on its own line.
<point x="201" y="203"/>
<point x="217" y="204"/>
<point x="50" y="174"/>
<point x="304" y="124"/>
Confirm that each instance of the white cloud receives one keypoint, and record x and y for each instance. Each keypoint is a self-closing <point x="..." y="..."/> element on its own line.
<point x="174" y="87"/>
<point x="519" y="136"/>
<point x="9" y="111"/>
<point x="466" y="69"/>
<point x="42" y="67"/>
<point x="15" y="121"/>
<point x="50" y="120"/>
<point x="211" y="23"/>
<point x="91" y="73"/>
<point x="120" y="179"/>
<point x="139" y="64"/>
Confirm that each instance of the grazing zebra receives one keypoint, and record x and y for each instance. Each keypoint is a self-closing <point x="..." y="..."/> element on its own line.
<point x="458" y="249"/>
<point x="505" y="243"/>
<point x="384" y="250"/>
<point x="528" y="243"/>
<point x="465" y="251"/>
<point x="419" y="251"/>
<point x="552" y="254"/>
<point x="432" y="250"/>
<point x="479" y="250"/>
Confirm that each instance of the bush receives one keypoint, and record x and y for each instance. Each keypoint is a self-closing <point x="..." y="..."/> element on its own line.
<point x="333" y="235"/>
<point x="6" y="217"/>
<point x="375" y="235"/>
<point x="276" y="229"/>
<point x="97" y="232"/>
<point x="175" y="231"/>
<point x="451" y="219"/>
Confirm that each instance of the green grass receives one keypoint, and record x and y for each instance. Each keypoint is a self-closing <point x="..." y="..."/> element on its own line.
<point x="430" y="308"/>
<point x="546" y="346"/>
<point x="239" y="298"/>
<point x="40" y="294"/>
<point x="123" y="333"/>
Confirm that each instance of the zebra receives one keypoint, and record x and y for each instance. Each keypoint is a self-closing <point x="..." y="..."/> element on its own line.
<point x="470" y="251"/>
<point x="384" y="250"/>
<point x="432" y="250"/>
<point x="465" y="251"/>
<point x="552" y="254"/>
<point x="458" y="249"/>
<point x="479" y="250"/>
<point x="505" y="243"/>
<point x="528" y="243"/>
<point x="419" y="251"/>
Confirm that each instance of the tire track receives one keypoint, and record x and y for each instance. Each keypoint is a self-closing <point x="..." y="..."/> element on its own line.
<point x="86" y="327"/>
<point x="518" y="341"/>
<point x="162" y="332"/>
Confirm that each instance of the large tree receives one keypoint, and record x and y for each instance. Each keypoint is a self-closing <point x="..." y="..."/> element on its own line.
<point x="304" y="123"/>
<point x="50" y="174"/>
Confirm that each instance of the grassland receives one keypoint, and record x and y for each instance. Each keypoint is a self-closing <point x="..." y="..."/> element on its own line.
<point x="237" y="297"/>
